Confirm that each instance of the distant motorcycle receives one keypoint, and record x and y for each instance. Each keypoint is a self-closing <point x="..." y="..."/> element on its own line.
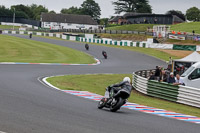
<point x="104" y="54"/>
<point x="86" y="46"/>
<point x="30" y="35"/>
<point x="114" y="103"/>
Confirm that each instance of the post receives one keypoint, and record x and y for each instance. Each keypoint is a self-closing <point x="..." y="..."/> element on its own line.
<point x="13" y="19"/>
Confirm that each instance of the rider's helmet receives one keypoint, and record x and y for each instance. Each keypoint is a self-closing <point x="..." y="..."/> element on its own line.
<point x="127" y="79"/>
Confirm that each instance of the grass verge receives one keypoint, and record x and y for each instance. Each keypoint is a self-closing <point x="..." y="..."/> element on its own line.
<point x="14" y="49"/>
<point x="98" y="83"/>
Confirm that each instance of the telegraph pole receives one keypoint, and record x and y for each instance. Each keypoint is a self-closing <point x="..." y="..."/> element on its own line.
<point x="13" y="19"/>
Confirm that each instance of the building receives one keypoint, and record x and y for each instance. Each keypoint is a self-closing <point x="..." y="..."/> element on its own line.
<point x="115" y="20"/>
<point x="147" y="18"/>
<point x="67" y="21"/>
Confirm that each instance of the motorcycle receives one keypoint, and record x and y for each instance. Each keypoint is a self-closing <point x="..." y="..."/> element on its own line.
<point x="30" y="35"/>
<point x="104" y="54"/>
<point x="86" y="46"/>
<point x="116" y="100"/>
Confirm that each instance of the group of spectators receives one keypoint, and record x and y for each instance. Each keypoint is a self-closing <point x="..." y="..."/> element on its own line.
<point x="163" y="75"/>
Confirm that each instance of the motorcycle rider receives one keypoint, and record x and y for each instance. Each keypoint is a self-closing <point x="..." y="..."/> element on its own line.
<point x="104" y="54"/>
<point x="125" y="85"/>
<point x="86" y="46"/>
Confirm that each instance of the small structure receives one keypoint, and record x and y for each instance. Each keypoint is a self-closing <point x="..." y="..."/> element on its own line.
<point x="161" y="31"/>
<point x="115" y="20"/>
<point x="67" y="21"/>
<point x="179" y="66"/>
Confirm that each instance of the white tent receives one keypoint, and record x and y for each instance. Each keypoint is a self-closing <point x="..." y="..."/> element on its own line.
<point x="194" y="57"/>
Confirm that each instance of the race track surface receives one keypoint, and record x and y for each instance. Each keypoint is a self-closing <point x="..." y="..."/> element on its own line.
<point x="28" y="106"/>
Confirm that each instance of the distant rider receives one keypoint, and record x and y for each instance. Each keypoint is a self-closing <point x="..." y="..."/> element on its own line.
<point x="86" y="46"/>
<point x="104" y="54"/>
<point x="125" y="85"/>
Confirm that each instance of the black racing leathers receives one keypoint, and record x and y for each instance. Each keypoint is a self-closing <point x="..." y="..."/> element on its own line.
<point x="123" y="85"/>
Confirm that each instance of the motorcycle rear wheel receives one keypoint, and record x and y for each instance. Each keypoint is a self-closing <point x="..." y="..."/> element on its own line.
<point x="117" y="106"/>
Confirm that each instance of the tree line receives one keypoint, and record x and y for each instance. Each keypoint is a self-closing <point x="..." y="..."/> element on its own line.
<point x="90" y="7"/>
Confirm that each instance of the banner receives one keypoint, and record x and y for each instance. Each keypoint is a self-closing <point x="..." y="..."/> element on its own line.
<point x="184" y="47"/>
<point x="176" y="37"/>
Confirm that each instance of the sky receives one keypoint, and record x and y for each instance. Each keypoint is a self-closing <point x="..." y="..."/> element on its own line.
<point x="107" y="9"/>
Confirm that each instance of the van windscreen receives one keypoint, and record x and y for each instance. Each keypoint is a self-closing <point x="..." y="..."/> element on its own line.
<point x="188" y="71"/>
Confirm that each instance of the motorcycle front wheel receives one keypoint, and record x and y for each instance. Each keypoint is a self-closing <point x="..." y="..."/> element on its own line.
<point x="101" y="103"/>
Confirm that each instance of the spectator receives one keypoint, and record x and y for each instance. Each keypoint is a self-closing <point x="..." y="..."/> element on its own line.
<point x="179" y="33"/>
<point x="157" y="72"/>
<point x="163" y="76"/>
<point x="171" y="79"/>
<point x="179" y="81"/>
<point x="173" y="32"/>
<point x="193" y="32"/>
<point x="152" y="76"/>
<point x="155" y="20"/>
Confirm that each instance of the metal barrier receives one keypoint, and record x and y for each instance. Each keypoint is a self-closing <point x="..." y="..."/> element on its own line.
<point x="180" y="94"/>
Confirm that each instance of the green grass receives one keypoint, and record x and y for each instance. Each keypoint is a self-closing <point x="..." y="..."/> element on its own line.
<point x="14" y="49"/>
<point x="187" y="27"/>
<point x="132" y="27"/>
<point x="9" y="27"/>
<point x="98" y="83"/>
<point x="148" y="51"/>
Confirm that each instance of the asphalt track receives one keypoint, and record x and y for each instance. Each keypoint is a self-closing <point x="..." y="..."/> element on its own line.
<point x="27" y="106"/>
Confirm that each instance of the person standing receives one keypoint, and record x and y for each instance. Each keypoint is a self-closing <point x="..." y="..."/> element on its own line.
<point x="179" y="81"/>
<point x="193" y="32"/>
<point x="171" y="79"/>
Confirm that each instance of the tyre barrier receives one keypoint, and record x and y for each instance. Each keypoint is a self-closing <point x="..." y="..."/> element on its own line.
<point x="180" y="94"/>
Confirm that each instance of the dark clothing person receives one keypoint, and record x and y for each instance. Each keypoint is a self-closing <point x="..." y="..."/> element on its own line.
<point x="171" y="80"/>
<point x="193" y="32"/>
<point x="152" y="77"/>
<point x="157" y="73"/>
<point x="124" y="85"/>
<point x="163" y="77"/>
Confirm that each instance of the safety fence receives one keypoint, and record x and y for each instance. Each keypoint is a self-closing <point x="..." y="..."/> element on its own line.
<point x="180" y="94"/>
<point x="144" y="44"/>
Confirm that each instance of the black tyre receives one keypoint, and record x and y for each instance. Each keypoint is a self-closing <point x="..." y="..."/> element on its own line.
<point x="101" y="103"/>
<point x="117" y="106"/>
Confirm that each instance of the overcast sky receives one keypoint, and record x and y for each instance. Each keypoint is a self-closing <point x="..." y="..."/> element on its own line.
<point x="107" y="9"/>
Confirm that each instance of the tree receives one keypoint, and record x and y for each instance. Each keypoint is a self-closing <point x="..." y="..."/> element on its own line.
<point x="104" y="21"/>
<point x="177" y="13"/>
<point x="90" y="7"/>
<point x="193" y="14"/>
<point x="22" y="9"/>
<point x="5" y="11"/>
<point x="72" y="10"/>
<point x="38" y="10"/>
<point x="52" y="11"/>
<point x="139" y="6"/>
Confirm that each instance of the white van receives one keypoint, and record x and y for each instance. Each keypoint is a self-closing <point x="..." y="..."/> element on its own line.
<point x="191" y="77"/>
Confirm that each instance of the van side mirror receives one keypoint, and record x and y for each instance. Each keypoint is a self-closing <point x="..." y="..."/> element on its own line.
<point x="190" y="77"/>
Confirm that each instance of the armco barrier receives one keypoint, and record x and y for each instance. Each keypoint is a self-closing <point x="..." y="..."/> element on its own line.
<point x="189" y="96"/>
<point x="180" y="94"/>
